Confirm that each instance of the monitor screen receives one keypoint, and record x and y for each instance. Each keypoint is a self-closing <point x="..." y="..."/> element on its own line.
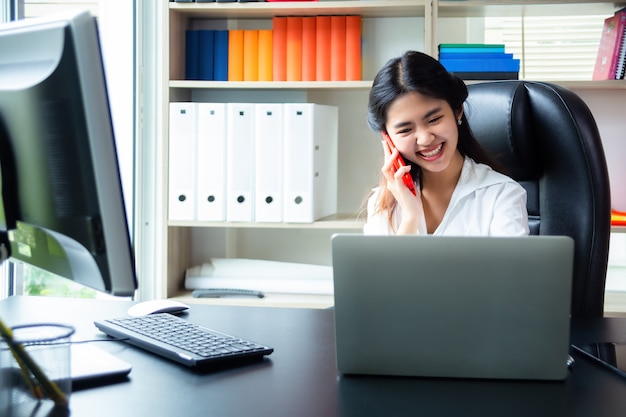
<point x="62" y="206"/>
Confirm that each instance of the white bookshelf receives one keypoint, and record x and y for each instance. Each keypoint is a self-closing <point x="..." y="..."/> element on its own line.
<point x="389" y="28"/>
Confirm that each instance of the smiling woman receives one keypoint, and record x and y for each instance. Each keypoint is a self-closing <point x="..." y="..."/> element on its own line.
<point x="419" y="106"/>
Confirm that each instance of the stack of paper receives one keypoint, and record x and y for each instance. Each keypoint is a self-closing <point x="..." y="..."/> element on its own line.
<point x="261" y="275"/>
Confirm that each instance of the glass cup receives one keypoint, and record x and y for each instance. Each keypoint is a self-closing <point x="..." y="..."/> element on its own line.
<point x="35" y="376"/>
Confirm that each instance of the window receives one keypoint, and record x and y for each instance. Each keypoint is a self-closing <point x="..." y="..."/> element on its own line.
<point x="550" y="48"/>
<point x="34" y="8"/>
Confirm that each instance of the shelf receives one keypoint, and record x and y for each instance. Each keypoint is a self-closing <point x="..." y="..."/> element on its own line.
<point x="580" y="85"/>
<point x="346" y="222"/>
<point x="356" y="85"/>
<point x="340" y="221"/>
<point x="593" y="85"/>
<point x="256" y="10"/>
<point x="478" y="8"/>
<point x="272" y="85"/>
<point x="270" y="300"/>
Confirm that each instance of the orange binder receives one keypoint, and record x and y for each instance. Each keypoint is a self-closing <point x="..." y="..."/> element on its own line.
<point x="279" y="48"/>
<point x="235" y="55"/>
<point x="250" y="55"/>
<point x="265" y="55"/>
<point x="353" y="48"/>
<point x="338" y="48"/>
<point x="308" y="48"/>
<point x="294" y="48"/>
<point x="322" y="48"/>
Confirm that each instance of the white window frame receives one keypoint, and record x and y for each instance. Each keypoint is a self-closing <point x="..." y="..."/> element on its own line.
<point x="150" y="99"/>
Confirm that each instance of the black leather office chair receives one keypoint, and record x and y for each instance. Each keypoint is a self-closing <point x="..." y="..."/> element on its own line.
<point x="547" y="138"/>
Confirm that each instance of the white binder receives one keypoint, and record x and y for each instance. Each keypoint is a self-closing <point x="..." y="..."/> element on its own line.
<point x="310" y="162"/>
<point x="240" y="162"/>
<point x="182" y="170"/>
<point x="268" y="193"/>
<point x="211" y="162"/>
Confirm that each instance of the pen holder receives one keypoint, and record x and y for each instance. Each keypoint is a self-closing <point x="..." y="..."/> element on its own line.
<point x="35" y="371"/>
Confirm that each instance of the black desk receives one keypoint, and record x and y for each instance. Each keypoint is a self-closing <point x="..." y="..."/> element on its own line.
<point x="300" y="379"/>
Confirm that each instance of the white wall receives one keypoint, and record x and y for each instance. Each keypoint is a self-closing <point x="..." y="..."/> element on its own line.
<point x="607" y="107"/>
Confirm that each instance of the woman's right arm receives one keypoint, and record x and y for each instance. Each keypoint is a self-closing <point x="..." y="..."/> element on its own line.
<point x="377" y="222"/>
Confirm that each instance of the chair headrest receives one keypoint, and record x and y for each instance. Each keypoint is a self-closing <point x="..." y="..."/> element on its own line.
<point x="500" y="116"/>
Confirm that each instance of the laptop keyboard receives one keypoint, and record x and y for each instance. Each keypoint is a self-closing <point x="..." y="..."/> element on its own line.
<point x="177" y="339"/>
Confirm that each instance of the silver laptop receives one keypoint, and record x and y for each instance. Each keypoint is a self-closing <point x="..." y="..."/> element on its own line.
<point x="460" y="307"/>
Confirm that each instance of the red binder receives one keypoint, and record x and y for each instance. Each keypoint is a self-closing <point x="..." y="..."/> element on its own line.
<point x="353" y="48"/>
<point x="279" y="48"/>
<point x="338" y="48"/>
<point x="610" y="44"/>
<point x="308" y="48"/>
<point x="322" y="48"/>
<point x="294" y="48"/>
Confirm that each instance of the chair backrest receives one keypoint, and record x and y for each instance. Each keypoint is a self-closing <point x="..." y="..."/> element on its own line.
<point x="548" y="140"/>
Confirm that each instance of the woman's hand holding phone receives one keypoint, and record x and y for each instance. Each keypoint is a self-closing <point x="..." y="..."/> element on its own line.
<point x="398" y="162"/>
<point x="412" y="209"/>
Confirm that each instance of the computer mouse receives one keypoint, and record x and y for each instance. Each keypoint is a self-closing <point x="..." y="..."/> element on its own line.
<point x="157" y="306"/>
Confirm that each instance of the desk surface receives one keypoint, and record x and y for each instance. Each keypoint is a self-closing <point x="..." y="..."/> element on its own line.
<point x="300" y="377"/>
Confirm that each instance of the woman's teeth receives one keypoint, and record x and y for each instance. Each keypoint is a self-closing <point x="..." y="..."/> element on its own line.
<point x="433" y="152"/>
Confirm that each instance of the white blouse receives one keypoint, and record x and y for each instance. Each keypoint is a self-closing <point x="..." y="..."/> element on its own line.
<point x="484" y="203"/>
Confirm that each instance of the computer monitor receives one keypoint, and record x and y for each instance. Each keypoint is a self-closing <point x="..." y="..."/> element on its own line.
<point x="62" y="206"/>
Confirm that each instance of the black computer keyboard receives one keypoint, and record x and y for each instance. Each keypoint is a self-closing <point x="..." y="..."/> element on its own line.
<point x="179" y="340"/>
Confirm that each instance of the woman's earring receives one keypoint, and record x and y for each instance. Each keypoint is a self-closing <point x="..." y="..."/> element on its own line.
<point x="459" y="122"/>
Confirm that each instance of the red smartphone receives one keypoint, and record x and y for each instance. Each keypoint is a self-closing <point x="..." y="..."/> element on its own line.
<point x="399" y="162"/>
